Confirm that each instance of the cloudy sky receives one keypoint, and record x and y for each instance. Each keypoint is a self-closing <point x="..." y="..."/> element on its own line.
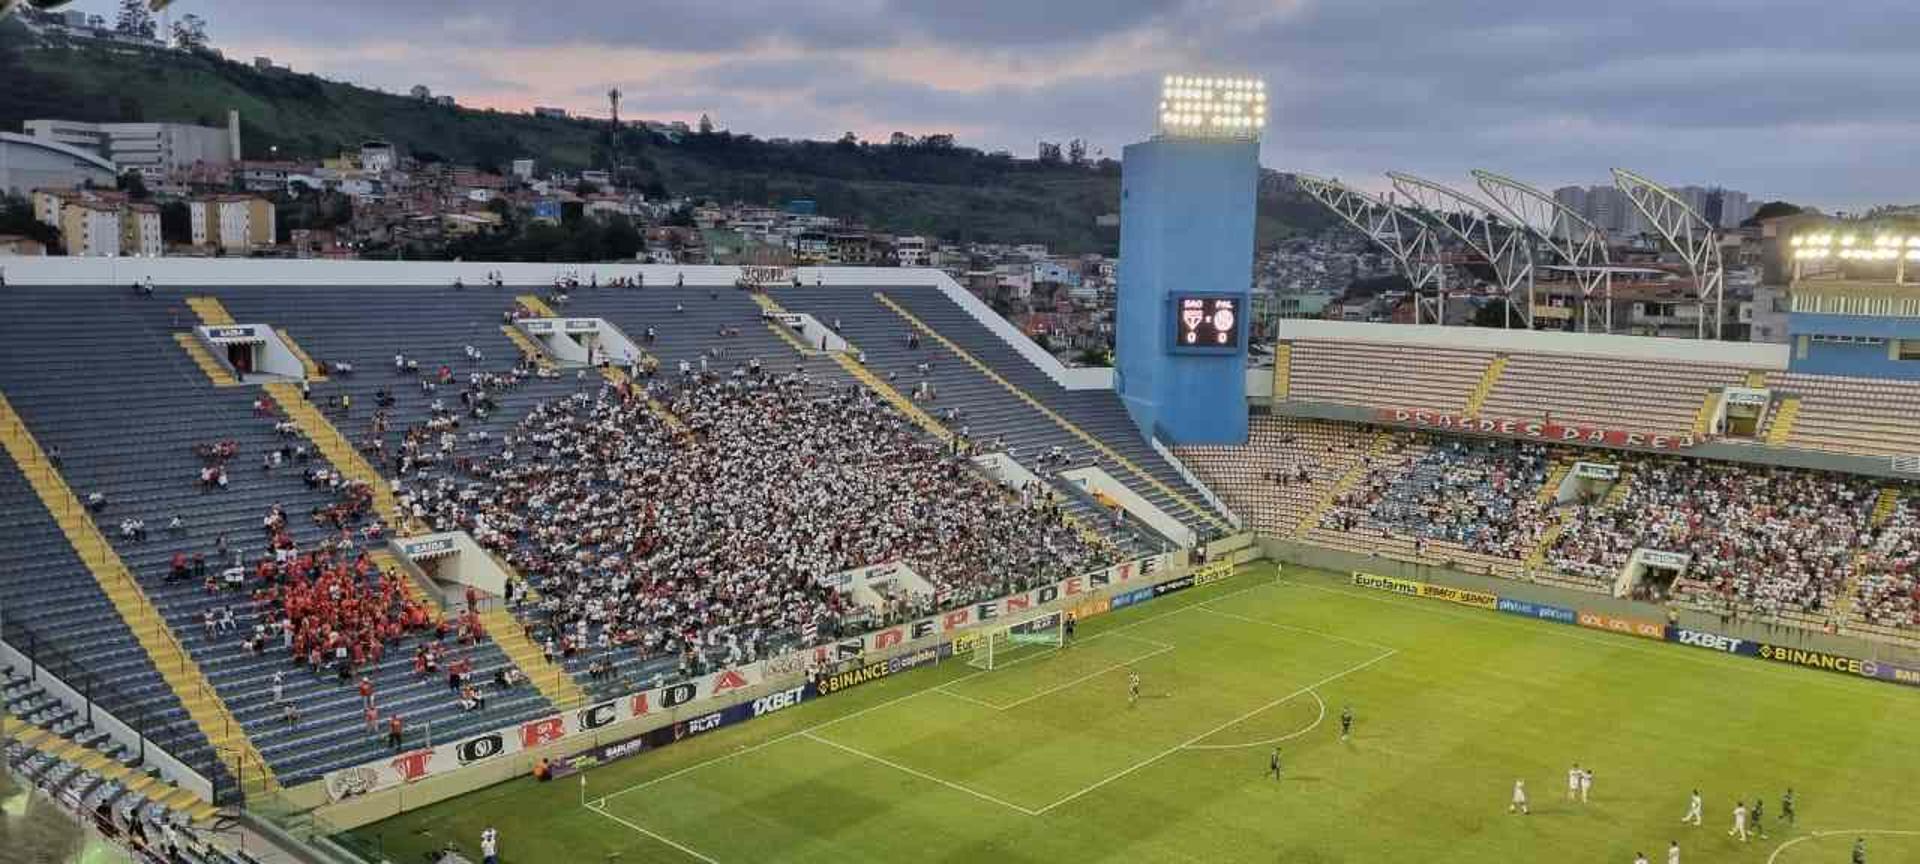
<point x="1809" y="101"/>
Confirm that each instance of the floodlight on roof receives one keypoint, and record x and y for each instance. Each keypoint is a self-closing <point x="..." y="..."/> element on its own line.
<point x="1212" y="107"/>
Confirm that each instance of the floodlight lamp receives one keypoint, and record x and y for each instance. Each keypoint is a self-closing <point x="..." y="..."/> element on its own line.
<point x="1796" y="241"/>
<point x="1848" y="240"/>
<point x="1913" y="254"/>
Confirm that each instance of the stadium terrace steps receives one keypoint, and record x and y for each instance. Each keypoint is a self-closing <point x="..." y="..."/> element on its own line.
<point x="1347" y="481"/>
<point x="535" y="305"/>
<point x="196" y="693"/>
<point x="1704" y="416"/>
<point x="203" y="358"/>
<point x="1194" y="510"/>
<point x="528" y="348"/>
<point x="107" y="768"/>
<point x="551" y="679"/>
<point x="212" y="312"/>
<point x="1398" y="376"/>
<point x="773" y="307"/>
<point x="1561" y="467"/>
<point x="1282" y="370"/>
<point x="619" y="378"/>
<point x="1756" y="379"/>
<point x="1885" y="504"/>
<point x="337" y="450"/>
<point x="1780" y="427"/>
<point x="311" y="369"/>
<point x="1478" y="399"/>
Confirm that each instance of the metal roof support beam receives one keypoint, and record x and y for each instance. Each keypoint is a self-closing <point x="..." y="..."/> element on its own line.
<point x="1578" y="243"/>
<point x="1410" y="240"/>
<point x="1690" y="235"/>
<point x="1505" y="247"/>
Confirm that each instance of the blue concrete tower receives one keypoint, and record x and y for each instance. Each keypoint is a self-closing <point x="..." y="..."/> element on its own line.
<point x="1186" y="268"/>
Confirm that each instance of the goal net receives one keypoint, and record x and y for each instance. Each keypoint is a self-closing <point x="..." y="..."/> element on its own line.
<point x="1001" y="645"/>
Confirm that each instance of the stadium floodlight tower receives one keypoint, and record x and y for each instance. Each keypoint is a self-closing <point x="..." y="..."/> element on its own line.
<point x="1578" y="243"/>
<point x="1186" y="261"/>
<point x="1505" y="247"/>
<point x="1690" y="235"/>
<point x="1406" y="237"/>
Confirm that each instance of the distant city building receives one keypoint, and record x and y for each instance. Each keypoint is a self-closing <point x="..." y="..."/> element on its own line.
<point x="378" y="156"/>
<point x="232" y="223"/>
<point x="91" y="229"/>
<point x="140" y="231"/>
<point x="555" y="113"/>
<point x="911" y="252"/>
<point x="523" y="169"/>
<point x="1612" y="211"/>
<point x="28" y="163"/>
<point x="153" y="149"/>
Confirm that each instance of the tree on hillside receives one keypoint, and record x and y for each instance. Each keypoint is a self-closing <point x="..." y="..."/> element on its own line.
<point x="190" y="33"/>
<point x="1077" y="152"/>
<point x="706" y="125"/>
<point x="133" y="184"/>
<point x="1771" y="210"/>
<point x="1049" y="153"/>
<point x="176" y="223"/>
<point x="135" y="20"/>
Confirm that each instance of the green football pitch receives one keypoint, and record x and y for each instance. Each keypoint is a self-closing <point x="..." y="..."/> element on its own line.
<point x="1045" y="760"/>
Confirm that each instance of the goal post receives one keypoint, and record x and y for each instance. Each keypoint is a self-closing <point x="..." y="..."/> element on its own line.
<point x="1000" y="645"/>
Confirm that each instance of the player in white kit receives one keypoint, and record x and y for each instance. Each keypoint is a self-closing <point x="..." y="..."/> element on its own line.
<point x="1519" y="804"/>
<point x="1573" y="782"/>
<point x="1693" y="810"/>
<point x="1739" y="828"/>
<point x="1586" y="784"/>
<point x="1673" y="852"/>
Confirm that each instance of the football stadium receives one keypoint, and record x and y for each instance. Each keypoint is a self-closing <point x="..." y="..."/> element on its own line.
<point x="421" y="561"/>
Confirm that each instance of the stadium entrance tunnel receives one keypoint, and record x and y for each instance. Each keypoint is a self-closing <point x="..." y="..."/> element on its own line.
<point x="577" y="342"/>
<point x="254" y="353"/>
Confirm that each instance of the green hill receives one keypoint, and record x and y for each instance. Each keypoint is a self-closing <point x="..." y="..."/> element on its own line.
<point x="951" y="192"/>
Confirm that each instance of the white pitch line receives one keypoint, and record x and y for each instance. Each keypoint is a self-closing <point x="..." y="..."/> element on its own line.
<point x="1087" y="677"/>
<point x="1322" y="716"/>
<point x="922" y="774"/>
<point x="1210" y="732"/>
<point x="1857" y="832"/>
<point x="897" y="699"/>
<point x="660" y="837"/>
<point x="965" y="698"/>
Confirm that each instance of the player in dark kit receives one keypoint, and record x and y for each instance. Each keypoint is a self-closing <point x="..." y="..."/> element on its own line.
<point x="1068" y="626"/>
<point x="1346" y="722"/>
<point x="1273" y="764"/>
<point x="1786" y="806"/>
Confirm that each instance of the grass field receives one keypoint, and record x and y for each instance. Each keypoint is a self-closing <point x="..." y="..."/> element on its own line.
<point x="1044" y="760"/>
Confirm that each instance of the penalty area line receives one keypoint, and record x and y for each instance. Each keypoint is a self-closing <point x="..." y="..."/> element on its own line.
<point x="921" y="774"/>
<point x="1317" y="720"/>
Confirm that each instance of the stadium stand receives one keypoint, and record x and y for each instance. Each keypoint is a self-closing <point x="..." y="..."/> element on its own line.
<point x="1863" y="416"/>
<point x="99" y="378"/>
<point x="1622" y="393"/>
<point x="1400" y="376"/>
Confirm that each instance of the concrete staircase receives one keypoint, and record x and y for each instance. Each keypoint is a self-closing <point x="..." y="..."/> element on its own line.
<point x="1781" y="425"/>
<point x="340" y="453"/>
<point x="216" y="721"/>
<point x="772" y="307"/>
<point x="200" y="812"/>
<point x="1555" y="476"/>
<point x="197" y="351"/>
<point x="1884" y="505"/>
<point x="1704" y="416"/>
<point x="1478" y="398"/>
<point x="1347" y="480"/>
<point x="1202" y="511"/>
<point x="551" y="679"/>
<point x="311" y="368"/>
<point x="1756" y="379"/>
<point x="1282" y="371"/>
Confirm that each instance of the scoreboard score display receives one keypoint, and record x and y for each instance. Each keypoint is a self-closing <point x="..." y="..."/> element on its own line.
<point x="1206" y="323"/>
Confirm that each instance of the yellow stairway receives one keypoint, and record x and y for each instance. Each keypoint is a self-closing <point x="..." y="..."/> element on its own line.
<point x="197" y="351"/>
<point x="1554" y="478"/>
<point x="211" y="311"/>
<point x="1704" y="416"/>
<point x="1282" y="371"/>
<point x="1756" y="380"/>
<point x="306" y="363"/>
<point x="1200" y="510"/>
<point x="617" y="375"/>
<point x="1478" y="399"/>
<point x="772" y="307"/>
<point x="1883" y="506"/>
<point x="1782" y="424"/>
<point x="338" y="450"/>
<point x="1347" y="480"/>
<point x="136" y="610"/>
<point x="551" y="679"/>
<point x="528" y="348"/>
<point x="536" y="305"/>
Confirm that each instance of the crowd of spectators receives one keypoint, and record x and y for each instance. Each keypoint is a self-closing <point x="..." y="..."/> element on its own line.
<point x="1889" y="587"/>
<point x="710" y="542"/>
<point x="1479" y="494"/>
<point x="1760" y="538"/>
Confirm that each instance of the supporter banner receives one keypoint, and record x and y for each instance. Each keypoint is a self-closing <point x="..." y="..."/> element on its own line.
<point x="1388" y="583"/>
<point x="1216" y="572"/>
<point x="1172" y="585"/>
<point x="1630" y="626"/>
<point x="1712" y="641"/>
<point x="1476" y="599"/>
<point x="1541" y="611"/>
<point x="420" y="764"/>
<point x="1091" y="608"/>
<point x="986" y="612"/>
<point x="1535" y="429"/>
